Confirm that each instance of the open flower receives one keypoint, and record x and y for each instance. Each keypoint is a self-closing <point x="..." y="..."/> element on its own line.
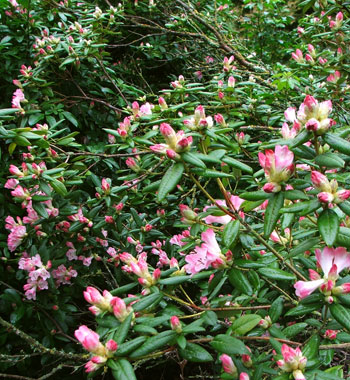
<point x="278" y="166"/>
<point x="332" y="261"/>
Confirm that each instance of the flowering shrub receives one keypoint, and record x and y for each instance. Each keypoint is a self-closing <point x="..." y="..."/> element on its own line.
<point x="206" y="226"/>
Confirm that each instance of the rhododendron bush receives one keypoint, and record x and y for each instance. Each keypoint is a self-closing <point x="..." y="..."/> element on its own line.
<point x="175" y="193"/>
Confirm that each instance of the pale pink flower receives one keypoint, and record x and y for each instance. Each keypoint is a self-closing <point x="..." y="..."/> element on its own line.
<point x="11" y="183"/>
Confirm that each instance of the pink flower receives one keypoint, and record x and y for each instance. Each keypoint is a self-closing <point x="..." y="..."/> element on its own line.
<point x="227" y="63"/>
<point x="243" y="376"/>
<point x="278" y="165"/>
<point x="90" y="340"/>
<point x="228" y="365"/>
<point x="175" y="324"/>
<point x="329" y="189"/>
<point x="332" y="261"/>
<point x="120" y="310"/>
<point x="17" y="98"/>
<point x="11" y="183"/>
<point x="331" y="334"/>
<point x="293" y="360"/>
<point x="298" y="56"/>
<point x="231" y="82"/>
<point x="105" y="186"/>
<point x="100" y="302"/>
<point x="333" y="78"/>
<point x="16" y="236"/>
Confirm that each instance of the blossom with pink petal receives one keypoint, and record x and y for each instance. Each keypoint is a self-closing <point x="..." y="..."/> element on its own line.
<point x="332" y="261"/>
<point x="278" y="166"/>
<point x="228" y="365"/>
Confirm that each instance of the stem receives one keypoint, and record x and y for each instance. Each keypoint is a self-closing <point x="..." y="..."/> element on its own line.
<point x="38" y="346"/>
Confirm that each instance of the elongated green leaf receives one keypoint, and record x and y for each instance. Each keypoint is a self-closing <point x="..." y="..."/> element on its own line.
<point x="237" y="164"/>
<point x="276" y="309"/>
<point x="154" y="343"/>
<point x="238" y="279"/>
<point x="58" y="186"/>
<point x="125" y="348"/>
<point x="295" y="329"/>
<point x="345" y="207"/>
<point x="170" y="179"/>
<point x="211" y="173"/>
<point x="193" y="159"/>
<point x="230" y="233"/>
<point x="146" y="302"/>
<point x="295" y="195"/>
<point x="195" y="353"/>
<point x="311" y="349"/>
<point x="337" y="142"/>
<point x="122" y="370"/>
<point x="40" y="209"/>
<point x="328" y="225"/>
<point x="302" y="207"/>
<point x="341" y="314"/>
<point x="302" y="310"/>
<point x="343" y="237"/>
<point x="229" y="345"/>
<point x="174" y="280"/>
<point x="303" y="246"/>
<point x="123" y="330"/>
<point x="276" y="274"/>
<point x="255" y="195"/>
<point x="244" y="324"/>
<point x="330" y="160"/>
<point x="272" y="213"/>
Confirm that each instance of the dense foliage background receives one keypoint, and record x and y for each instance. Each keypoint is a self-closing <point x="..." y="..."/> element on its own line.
<point x="180" y="167"/>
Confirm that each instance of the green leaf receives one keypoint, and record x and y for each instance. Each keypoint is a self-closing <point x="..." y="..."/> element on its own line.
<point x="230" y="233"/>
<point x="341" y="314"/>
<point x="146" y="302"/>
<point x="295" y="195"/>
<point x="311" y="348"/>
<point x="170" y="179"/>
<point x="276" y="274"/>
<point x="154" y="343"/>
<point x="237" y="165"/>
<point x="345" y="207"/>
<point x="174" y="280"/>
<point x="303" y="246"/>
<point x="302" y="207"/>
<point x="122" y="369"/>
<point x="211" y="173"/>
<point x="195" y="353"/>
<point x="295" y="329"/>
<point x="125" y="348"/>
<point x="58" y="186"/>
<point x="8" y="111"/>
<point x="181" y="341"/>
<point x="302" y="310"/>
<point x="343" y="237"/>
<point x="123" y="330"/>
<point x="192" y="159"/>
<point x="329" y="160"/>
<point x="238" y="279"/>
<point x="255" y="195"/>
<point x="229" y="345"/>
<point x="272" y="213"/>
<point x="69" y="116"/>
<point x="336" y="142"/>
<point x="35" y="118"/>
<point x="276" y="309"/>
<point x="244" y="324"/>
<point x="328" y="225"/>
<point x="40" y="209"/>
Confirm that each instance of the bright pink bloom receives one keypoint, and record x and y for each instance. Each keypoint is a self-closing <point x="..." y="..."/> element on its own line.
<point x="90" y="340"/>
<point x="298" y="56"/>
<point x="293" y="359"/>
<point x="227" y="63"/>
<point x="120" y="310"/>
<point x="243" y="376"/>
<point x="331" y="334"/>
<point x="175" y="324"/>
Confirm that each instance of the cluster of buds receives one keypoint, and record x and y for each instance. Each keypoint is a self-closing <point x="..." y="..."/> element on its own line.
<point x="100" y="302"/>
<point x="90" y="340"/>
<point x="332" y="261"/>
<point x="175" y="142"/>
<point x="336" y="24"/>
<point x="144" y="110"/>
<point x="329" y="192"/>
<point x="199" y="120"/>
<point x="334" y="78"/>
<point x="266" y="322"/>
<point x="124" y="127"/>
<point x="293" y="361"/>
<point x="314" y="115"/>
<point x="283" y="240"/>
<point x="278" y="166"/>
<point x="120" y="310"/>
<point x="79" y="217"/>
<point x="139" y="267"/>
<point x="188" y="215"/>
<point x="178" y="83"/>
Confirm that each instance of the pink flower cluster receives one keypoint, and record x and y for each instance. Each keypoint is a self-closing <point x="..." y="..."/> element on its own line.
<point x="329" y="192"/>
<point x="139" y="267"/>
<point x="206" y="255"/>
<point x="17" y="232"/>
<point x="38" y="274"/>
<point x="278" y="166"/>
<point x="199" y="120"/>
<point x="175" y="142"/>
<point x="332" y="261"/>
<point x="144" y="110"/>
<point x="90" y="340"/>
<point x="293" y="361"/>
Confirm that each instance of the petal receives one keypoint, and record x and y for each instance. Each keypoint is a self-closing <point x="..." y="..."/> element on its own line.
<point x="341" y="258"/>
<point x="305" y="288"/>
<point x="325" y="259"/>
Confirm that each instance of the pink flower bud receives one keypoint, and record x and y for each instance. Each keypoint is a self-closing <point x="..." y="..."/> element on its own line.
<point x="325" y="197"/>
<point x="272" y="187"/>
<point x="109" y="219"/>
<point x="243" y="376"/>
<point x="219" y="119"/>
<point x="331" y="334"/>
<point x="175" y="324"/>
<point x="111" y="345"/>
<point x="228" y="365"/>
<point x="162" y="103"/>
<point x="105" y="185"/>
<point x="88" y="338"/>
<point x="231" y="82"/>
